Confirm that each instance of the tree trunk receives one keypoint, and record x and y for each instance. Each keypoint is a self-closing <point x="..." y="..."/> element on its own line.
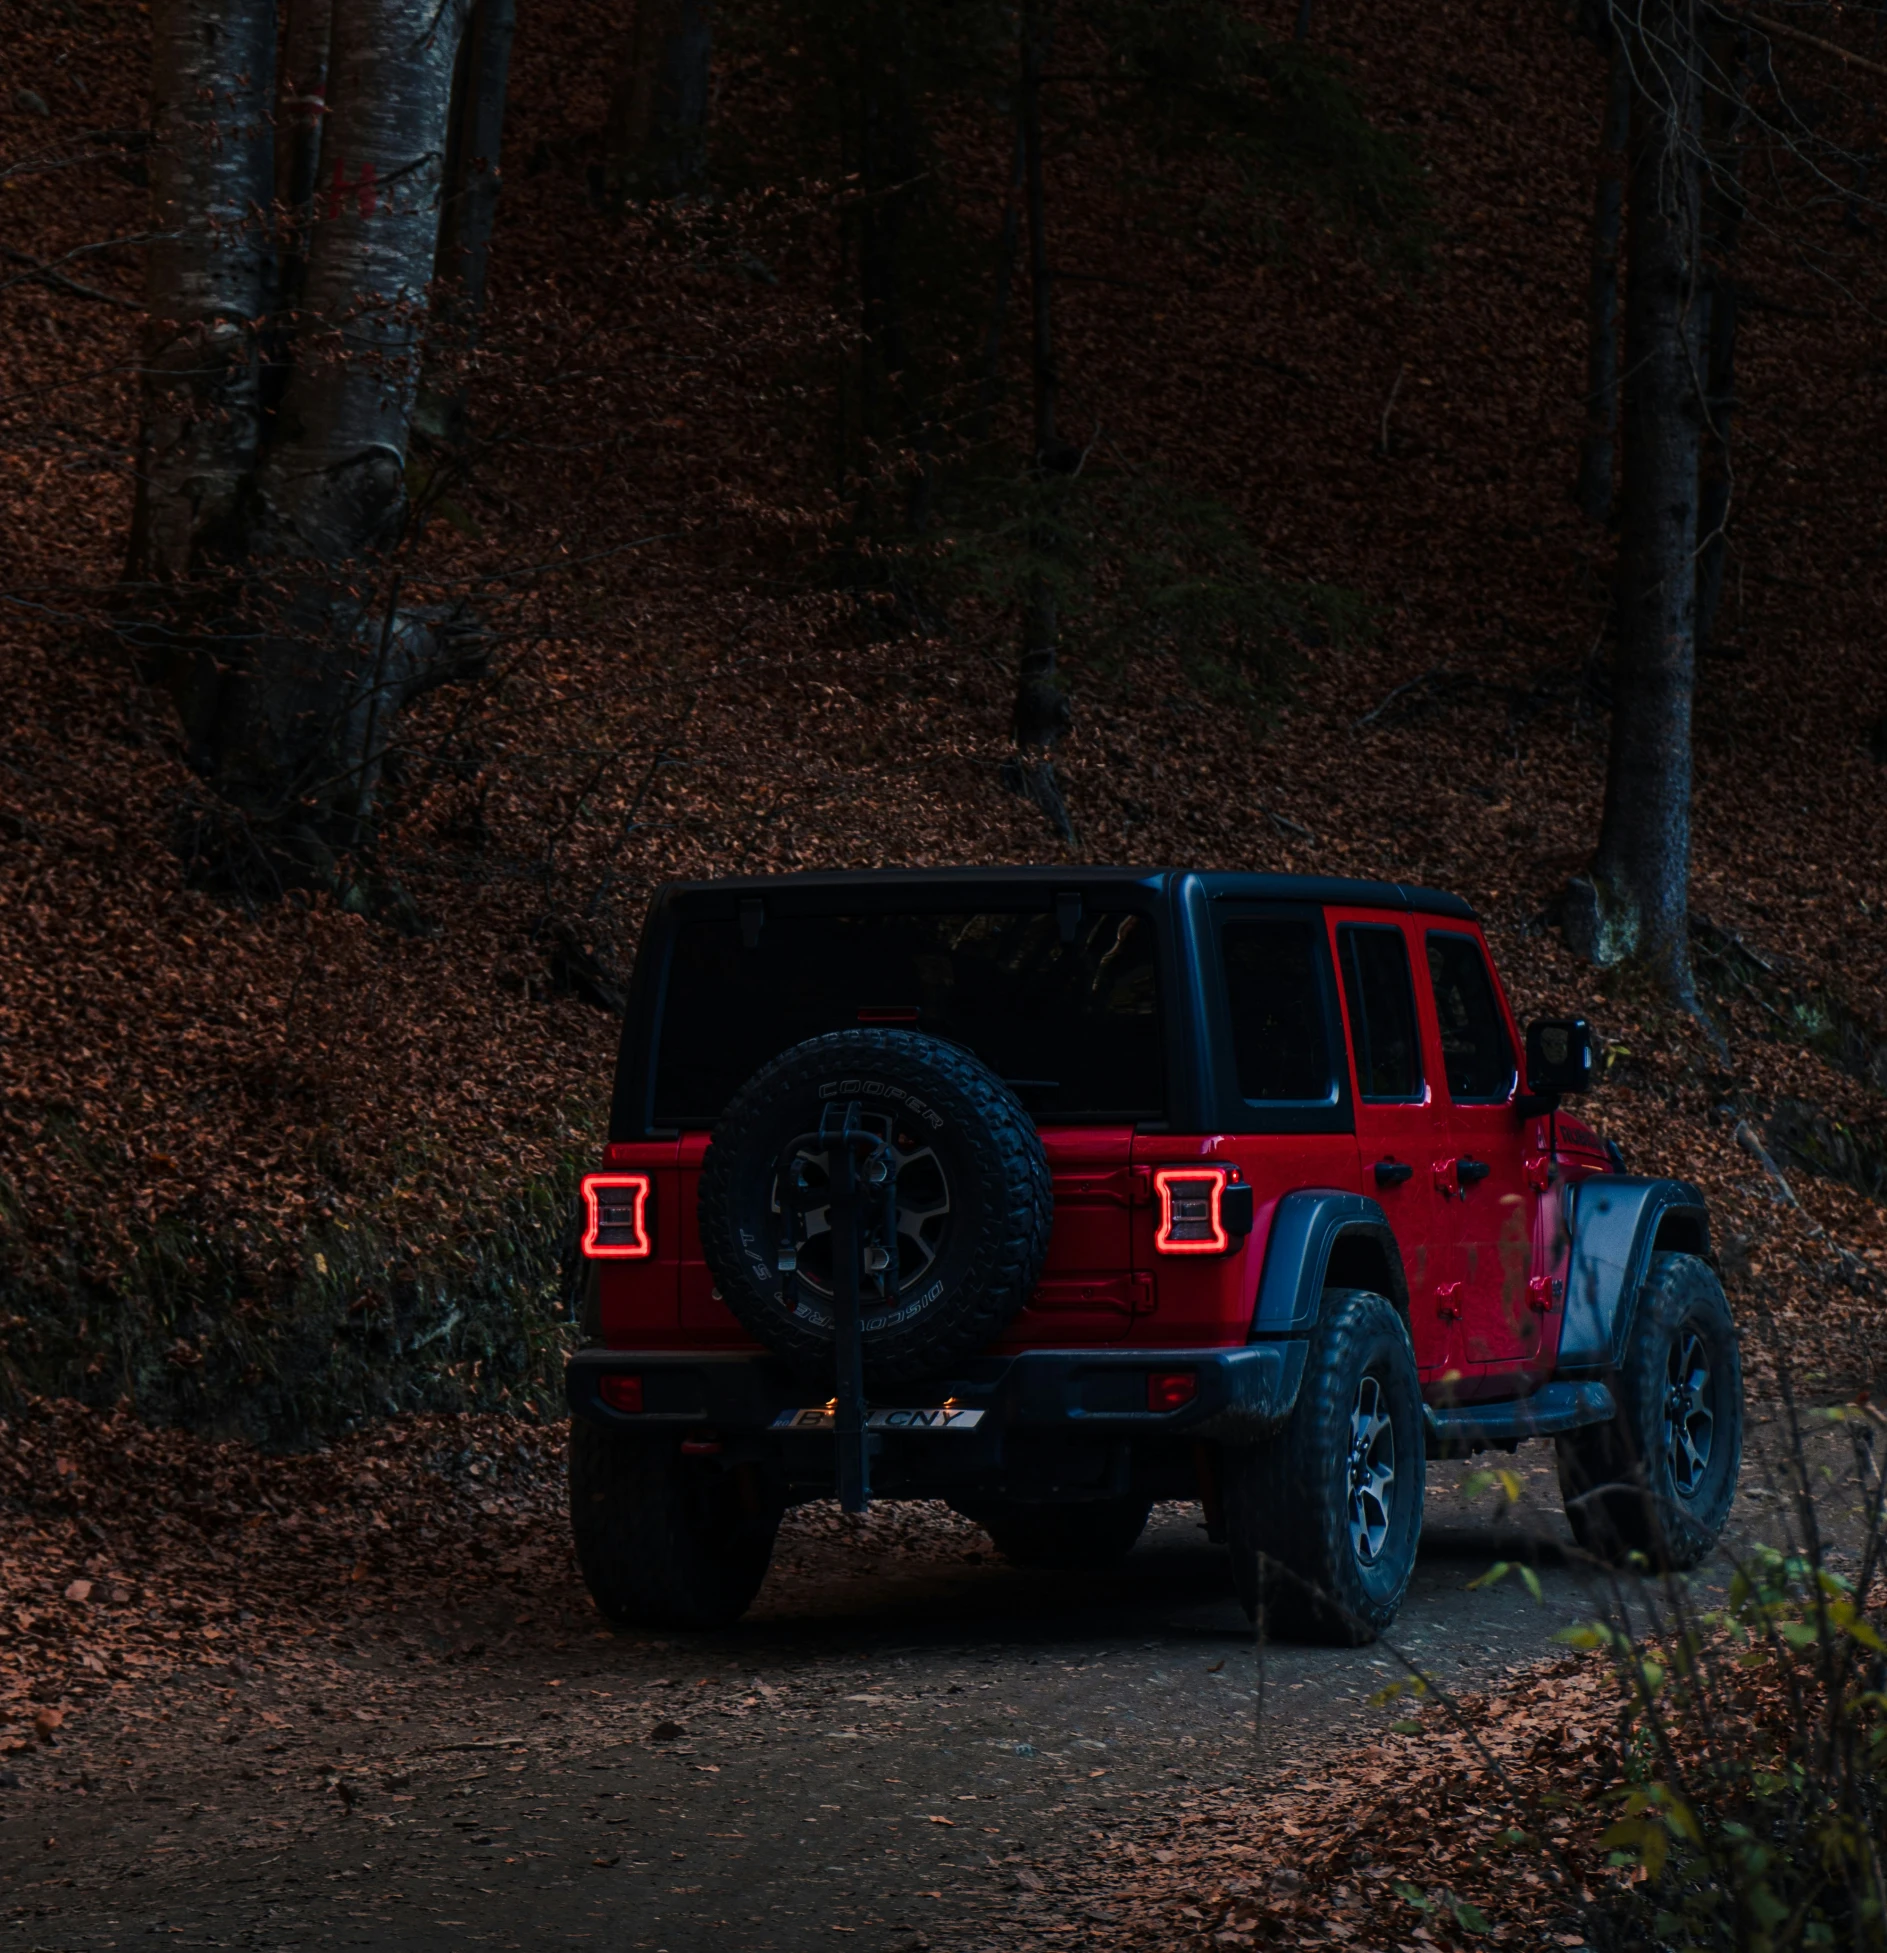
<point x="1723" y="226"/>
<point x="1596" y="451"/>
<point x="656" y="137"/>
<point x="1007" y="241"/>
<point x="293" y="731"/>
<point x="1042" y="712"/>
<point x="212" y="76"/>
<point x="1634" y="903"/>
<point x="471" y="203"/>
<point x="333" y="481"/>
<point x="1036" y="29"/>
<point x="300" y="110"/>
<point x="881" y="150"/>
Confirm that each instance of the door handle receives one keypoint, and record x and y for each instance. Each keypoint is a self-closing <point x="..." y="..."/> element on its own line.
<point x="1472" y="1170"/>
<point x="1392" y="1173"/>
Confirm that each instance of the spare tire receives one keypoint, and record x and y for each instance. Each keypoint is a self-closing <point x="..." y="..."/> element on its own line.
<point x="974" y="1201"/>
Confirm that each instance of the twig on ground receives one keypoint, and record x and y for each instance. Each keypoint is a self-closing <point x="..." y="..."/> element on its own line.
<point x="1382" y="441"/>
<point x="1398" y="691"/>
<point x="38" y="272"/>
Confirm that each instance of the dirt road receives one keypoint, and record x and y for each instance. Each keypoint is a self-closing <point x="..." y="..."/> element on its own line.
<point x="907" y="1745"/>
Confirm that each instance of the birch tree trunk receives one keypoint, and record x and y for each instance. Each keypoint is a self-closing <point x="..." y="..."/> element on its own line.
<point x="300" y="109"/>
<point x="294" y="734"/>
<point x="471" y="204"/>
<point x="333" y="483"/>
<point x="655" y="139"/>
<point x="212" y="83"/>
<point x="1634" y="903"/>
<point x="472" y="179"/>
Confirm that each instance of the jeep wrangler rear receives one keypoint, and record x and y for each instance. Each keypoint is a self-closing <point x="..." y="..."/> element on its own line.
<point x="1053" y="1193"/>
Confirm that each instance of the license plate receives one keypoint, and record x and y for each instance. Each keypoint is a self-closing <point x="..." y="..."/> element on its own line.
<point x="883" y="1420"/>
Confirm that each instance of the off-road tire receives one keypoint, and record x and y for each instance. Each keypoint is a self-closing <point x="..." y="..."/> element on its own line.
<point x="1064" y="1538"/>
<point x="1288" y="1502"/>
<point x="984" y="1147"/>
<point x="665" y="1541"/>
<point x="1635" y="1486"/>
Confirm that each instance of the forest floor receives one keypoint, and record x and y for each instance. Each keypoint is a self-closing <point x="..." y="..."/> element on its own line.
<point x="246" y="1152"/>
<point x="360" y="1698"/>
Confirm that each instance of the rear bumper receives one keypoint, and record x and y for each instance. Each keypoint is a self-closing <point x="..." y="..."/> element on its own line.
<point x="1242" y="1393"/>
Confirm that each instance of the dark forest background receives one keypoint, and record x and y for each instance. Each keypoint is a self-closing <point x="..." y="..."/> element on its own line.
<point x="548" y="452"/>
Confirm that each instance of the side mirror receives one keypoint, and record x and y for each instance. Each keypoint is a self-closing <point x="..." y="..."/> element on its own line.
<point x="1559" y="1056"/>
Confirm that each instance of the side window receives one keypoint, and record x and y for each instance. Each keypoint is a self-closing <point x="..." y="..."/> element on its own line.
<point x="1382" y="1011"/>
<point x="1476" y="1050"/>
<point x="1280" y="1031"/>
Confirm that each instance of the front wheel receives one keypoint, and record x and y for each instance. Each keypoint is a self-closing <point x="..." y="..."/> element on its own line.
<point x="1659" y="1479"/>
<point x="663" y="1540"/>
<point x="1323" y="1520"/>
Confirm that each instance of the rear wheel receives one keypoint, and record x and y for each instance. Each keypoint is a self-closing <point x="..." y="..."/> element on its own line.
<point x="1323" y="1520"/>
<point x="663" y="1540"/>
<point x="1659" y="1479"/>
<point x="1065" y="1537"/>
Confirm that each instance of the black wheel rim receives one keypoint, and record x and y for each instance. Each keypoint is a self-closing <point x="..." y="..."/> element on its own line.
<point x="1689" y="1413"/>
<point x="924" y="1209"/>
<point x="1372" y="1470"/>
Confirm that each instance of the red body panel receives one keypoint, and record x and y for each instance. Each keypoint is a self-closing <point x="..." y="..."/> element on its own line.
<point x="1094" y="1283"/>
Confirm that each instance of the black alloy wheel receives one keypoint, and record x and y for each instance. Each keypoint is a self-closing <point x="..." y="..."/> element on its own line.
<point x="1324" y="1519"/>
<point x="1659" y="1480"/>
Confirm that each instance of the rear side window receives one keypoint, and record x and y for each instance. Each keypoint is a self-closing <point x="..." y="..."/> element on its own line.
<point x="1280" y="1031"/>
<point x="1073" y="1026"/>
<point x="1382" y="1012"/>
<point x="1475" y="1047"/>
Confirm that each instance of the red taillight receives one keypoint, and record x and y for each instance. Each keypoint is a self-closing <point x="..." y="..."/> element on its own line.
<point x="1170" y="1390"/>
<point x="620" y="1392"/>
<point x="1191" y="1217"/>
<point x="616" y="1212"/>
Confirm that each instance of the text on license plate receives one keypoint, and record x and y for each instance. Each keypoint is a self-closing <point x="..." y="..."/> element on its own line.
<point x="883" y="1420"/>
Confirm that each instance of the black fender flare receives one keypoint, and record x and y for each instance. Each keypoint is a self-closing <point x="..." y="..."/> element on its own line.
<point x="1304" y="1231"/>
<point x="1615" y="1219"/>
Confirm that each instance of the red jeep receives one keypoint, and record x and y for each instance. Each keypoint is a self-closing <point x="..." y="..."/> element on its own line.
<point x="1053" y="1192"/>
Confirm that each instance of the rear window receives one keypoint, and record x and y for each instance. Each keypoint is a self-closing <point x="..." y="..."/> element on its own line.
<point x="1274" y="985"/>
<point x="1074" y="1027"/>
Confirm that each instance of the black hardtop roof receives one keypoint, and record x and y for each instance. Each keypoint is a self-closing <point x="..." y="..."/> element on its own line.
<point x="1215" y="884"/>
